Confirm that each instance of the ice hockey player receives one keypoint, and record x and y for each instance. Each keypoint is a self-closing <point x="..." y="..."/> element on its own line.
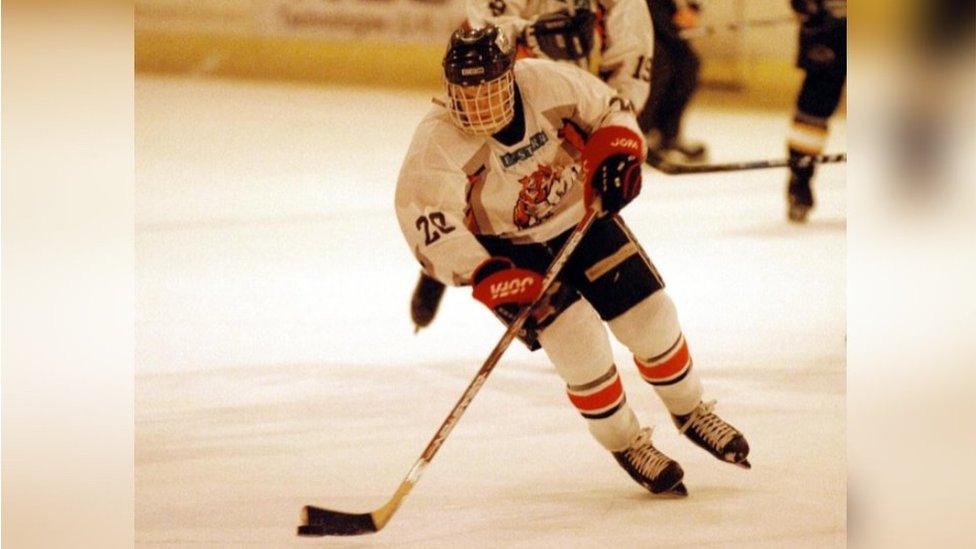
<point x="822" y="55"/>
<point x="674" y="78"/>
<point x="611" y="39"/>
<point x="493" y="183"/>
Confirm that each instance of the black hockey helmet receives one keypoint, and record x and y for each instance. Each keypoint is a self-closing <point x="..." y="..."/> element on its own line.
<point x="480" y="79"/>
<point x="475" y="56"/>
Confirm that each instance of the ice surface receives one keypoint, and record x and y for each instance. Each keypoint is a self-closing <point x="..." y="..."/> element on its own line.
<point x="276" y="364"/>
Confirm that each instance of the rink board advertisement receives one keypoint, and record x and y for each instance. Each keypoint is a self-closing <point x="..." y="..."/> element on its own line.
<point x="213" y="16"/>
<point x="420" y="22"/>
<point x="397" y="42"/>
<point x="402" y="21"/>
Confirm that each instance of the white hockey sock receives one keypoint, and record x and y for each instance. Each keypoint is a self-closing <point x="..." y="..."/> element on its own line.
<point x="603" y="404"/>
<point x="808" y="134"/>
<point x="579" y="348"/>
<point x="673" y="377"/>
<point x="651" y="331"/>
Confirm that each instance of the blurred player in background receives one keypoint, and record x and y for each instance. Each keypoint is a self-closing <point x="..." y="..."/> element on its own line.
<point x="493" y="184"/>
<point x="611" y="39"/>
<point x="674" y="78"/>
<point x="822" y="55"/>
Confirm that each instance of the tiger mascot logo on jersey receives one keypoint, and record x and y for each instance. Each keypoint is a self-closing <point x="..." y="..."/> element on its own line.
<point x="541" y="192"/>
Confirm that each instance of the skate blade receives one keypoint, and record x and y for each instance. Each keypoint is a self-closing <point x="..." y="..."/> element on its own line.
<point x="798" y="214"/>
<point x="743" y="462"/>
<point x="695" y="157"/>
<point x="678" y="490"/>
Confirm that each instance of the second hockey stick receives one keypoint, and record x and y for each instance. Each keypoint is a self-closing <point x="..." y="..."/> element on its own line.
<point x="673" y="168"/>
<point x="317" y="521"/>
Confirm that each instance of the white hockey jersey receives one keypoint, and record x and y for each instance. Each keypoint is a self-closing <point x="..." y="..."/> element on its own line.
<point x="625" y="37"/>
<point x="453" y="186"/>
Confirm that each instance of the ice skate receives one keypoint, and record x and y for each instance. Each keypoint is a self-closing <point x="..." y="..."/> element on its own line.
<point x="799" y="198"/>
<point x="690" y="151"/>
<point x="676" y="150"/>
<point x="651" y="468"/>
<point x="712" y="433"/>
<point x="426" y="298"/>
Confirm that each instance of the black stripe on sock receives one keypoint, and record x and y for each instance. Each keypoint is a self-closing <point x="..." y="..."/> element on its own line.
<point x="596" y="382"/>
<point x="672" y="381"/>
<point x="674" y="346"/>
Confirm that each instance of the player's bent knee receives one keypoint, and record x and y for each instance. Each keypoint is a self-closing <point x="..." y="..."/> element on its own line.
<point x="650" y="327"/>
<point x="577" y="344"/>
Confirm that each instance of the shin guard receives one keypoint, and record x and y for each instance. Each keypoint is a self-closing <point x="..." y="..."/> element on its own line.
<point x="651" y="331"/>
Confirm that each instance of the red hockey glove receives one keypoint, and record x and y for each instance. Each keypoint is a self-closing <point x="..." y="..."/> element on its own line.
<point x="498" y="283"/>
<point x="611" y="163"/>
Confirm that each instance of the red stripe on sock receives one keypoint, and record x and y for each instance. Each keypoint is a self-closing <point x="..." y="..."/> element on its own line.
<point x="601" y="399"/>
<point x="669" y="368"/>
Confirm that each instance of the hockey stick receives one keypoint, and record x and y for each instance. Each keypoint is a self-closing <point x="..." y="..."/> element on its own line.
<point x="317" y="521"/>
<point x="671" y="168"/>
<point x="709" y="30"/>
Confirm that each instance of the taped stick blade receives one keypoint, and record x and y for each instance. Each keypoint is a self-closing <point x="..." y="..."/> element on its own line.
<point x="317" y="521"/>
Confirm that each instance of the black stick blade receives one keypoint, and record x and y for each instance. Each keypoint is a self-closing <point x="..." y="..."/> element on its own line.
<point x="323" y="522"/>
